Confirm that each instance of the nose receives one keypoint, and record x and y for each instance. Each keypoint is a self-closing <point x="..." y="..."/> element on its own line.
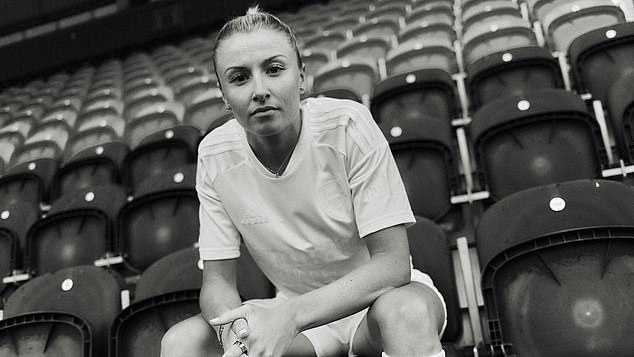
<point x="260" y="89"/>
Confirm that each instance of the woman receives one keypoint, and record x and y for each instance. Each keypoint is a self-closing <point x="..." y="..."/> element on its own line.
<point x="313" y="191"/>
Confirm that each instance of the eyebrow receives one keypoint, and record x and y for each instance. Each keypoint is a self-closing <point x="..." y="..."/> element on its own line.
<point x="265" y="62"/>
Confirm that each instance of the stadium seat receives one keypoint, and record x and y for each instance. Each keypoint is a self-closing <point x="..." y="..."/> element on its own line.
<point x="383" y="27"/>
<point x="193" y="87"/>
<point x="422" y="148"/>
<point x="431" y="13"/>
<point x="568" y="21"/>
<point x="152" y="120"/>
<point x="427" y="33"/>
<point x="535" y="139"/>
<point x="414" y="55"/>
<point x="489" y="11"/>
<point x="600" y="57"/>
<point x="358" y="75"/>
<point x="204" y="109"/>
<point x="28" y="182"/>
<point x="66" y="110"/>
<point x="388" y="10"/>
<point x="556" y="269"/>
<point x="484" y="38"/>
<point x="162" y="218"/>
<point x="67" y="313"/>
<point x="15" y="220"/>
<point x="145" y="99"/>
<point x="431" y="254"/>
<point x="167" y="292"/>
<point x="341" y="24"/>
<point x="325" y="41"/>
<point x="364" y="47"/>
<point x="110" y="97"/>
<point x="176" y="79"/>
<point x="159" y="152"/>
<point x="52" y="132"/>
<point x="415" y="95"/>
<point x="20" y="123"/>
<point x="78" y="229"/>
<point x="92" y="157"/>
<point x="512" y="72"/>
<point x="10" y="142"/>
<point x="106" y="116"/>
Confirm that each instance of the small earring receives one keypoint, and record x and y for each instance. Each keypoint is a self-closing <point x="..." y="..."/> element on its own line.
<point x="227" y="107"/>
<point x="301" y="90"/>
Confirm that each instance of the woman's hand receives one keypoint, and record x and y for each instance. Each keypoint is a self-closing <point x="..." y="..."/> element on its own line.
<point x="266" y="332"/>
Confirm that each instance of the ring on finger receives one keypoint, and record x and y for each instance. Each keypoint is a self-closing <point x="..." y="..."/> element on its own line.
<point x="242" y="347"/>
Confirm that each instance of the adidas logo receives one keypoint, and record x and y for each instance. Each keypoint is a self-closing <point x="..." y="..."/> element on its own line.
<point x="251" y="218"/>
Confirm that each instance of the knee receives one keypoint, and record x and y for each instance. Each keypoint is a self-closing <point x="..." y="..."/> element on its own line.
<point x="395" y="310"/>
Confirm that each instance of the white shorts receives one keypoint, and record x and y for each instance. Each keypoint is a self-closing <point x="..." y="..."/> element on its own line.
<point x="335" y="338"/>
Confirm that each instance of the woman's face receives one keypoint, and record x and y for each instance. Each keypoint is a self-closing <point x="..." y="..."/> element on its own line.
<point x="260" y="80"/>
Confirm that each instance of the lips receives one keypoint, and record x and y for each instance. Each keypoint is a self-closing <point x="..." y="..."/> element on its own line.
<point x="263" y="109"/>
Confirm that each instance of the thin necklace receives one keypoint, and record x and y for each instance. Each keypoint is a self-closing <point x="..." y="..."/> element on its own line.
<point x="282" y="166"/>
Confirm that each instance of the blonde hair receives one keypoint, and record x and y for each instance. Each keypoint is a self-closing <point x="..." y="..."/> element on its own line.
<point x="254" y="19"/>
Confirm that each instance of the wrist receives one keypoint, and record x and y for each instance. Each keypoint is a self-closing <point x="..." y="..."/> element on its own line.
<point x="291" y="312"/>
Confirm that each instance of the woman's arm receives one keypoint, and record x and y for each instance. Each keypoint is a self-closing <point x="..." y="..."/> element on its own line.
<point x="219" y="291"/>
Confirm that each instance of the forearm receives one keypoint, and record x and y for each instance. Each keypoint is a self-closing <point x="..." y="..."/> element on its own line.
<point x="351" y="293"/>
<point x="217" y="298"/>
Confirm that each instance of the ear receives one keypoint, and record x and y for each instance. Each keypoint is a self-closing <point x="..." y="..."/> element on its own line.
<point x="302" y="78"/>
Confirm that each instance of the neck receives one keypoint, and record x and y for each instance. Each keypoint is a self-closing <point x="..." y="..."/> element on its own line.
<point x="274" y="151"/>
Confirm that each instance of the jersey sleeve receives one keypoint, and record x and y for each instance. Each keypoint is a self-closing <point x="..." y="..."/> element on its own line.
<point x="378" y="193"/>
<point x="218" y="238"/>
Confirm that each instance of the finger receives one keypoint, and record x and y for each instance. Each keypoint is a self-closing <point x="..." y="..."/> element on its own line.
<point x="241" y="328"/>
<point x="233" y="351"/>
<point x="230" y="316"/>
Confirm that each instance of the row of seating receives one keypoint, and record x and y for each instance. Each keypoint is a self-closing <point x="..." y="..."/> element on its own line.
<point x="101" y="225"/>
<point x="528" y="243"/>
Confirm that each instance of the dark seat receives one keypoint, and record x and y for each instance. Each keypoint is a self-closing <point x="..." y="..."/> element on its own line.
<point x="28" y="182"/>
<point x="534" y="139"/>
<point x="599" y="57"/>
<point x="512" y="72"/>
<point x="78" y="229"/>
<point x="160" y="151"/>
<point x="414" y="95"/>
<point x="423" y="152"/>
<point x="15" y="221"/>
<point x="556" y="269"/>
<point x="162" y="218"/>
<point x="67" y="314"/>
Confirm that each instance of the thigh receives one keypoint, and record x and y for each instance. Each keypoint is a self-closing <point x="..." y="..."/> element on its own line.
<point x="366" y="340"/>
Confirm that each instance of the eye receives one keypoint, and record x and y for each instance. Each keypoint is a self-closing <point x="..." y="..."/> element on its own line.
<point x="238" y="78"/>
<point x="275" y="69"/>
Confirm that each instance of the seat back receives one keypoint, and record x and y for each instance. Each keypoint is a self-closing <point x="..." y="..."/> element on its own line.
<point x="162" y="218"/>
<point x="78" y="229"/>
<point x="556" y="269"/>
<point x="92" y="294"/>
<point x="535" y="139"/>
